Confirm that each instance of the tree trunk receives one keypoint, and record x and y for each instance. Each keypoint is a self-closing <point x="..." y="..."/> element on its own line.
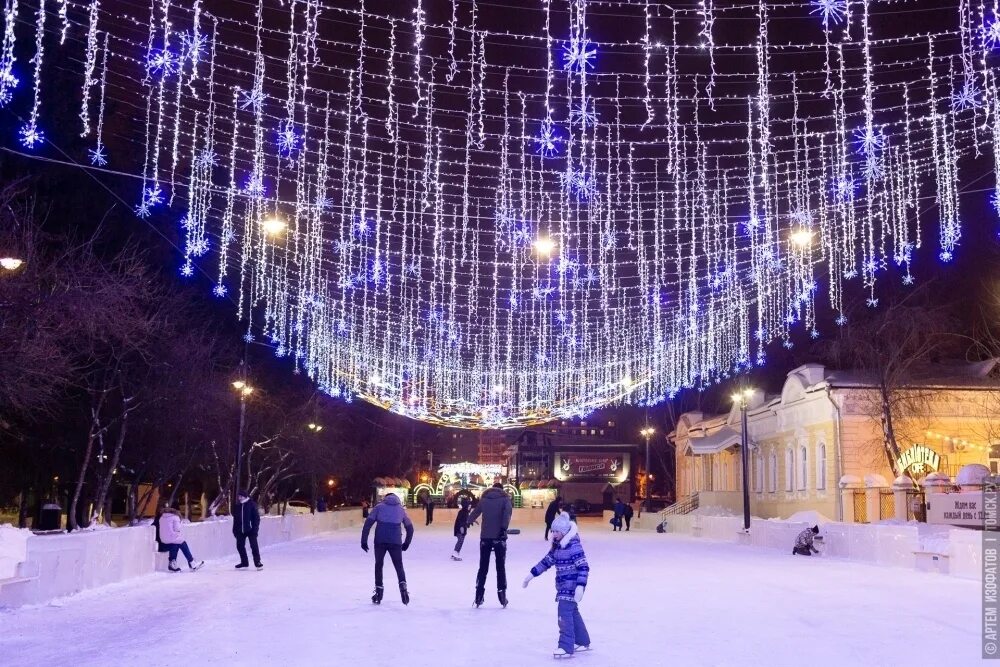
<point x="105" y="483"/>
<point x="81" y="477"/>
<point x="888" y="432"/>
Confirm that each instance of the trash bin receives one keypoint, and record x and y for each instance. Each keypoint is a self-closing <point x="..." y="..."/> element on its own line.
<point x="50" y="517"/>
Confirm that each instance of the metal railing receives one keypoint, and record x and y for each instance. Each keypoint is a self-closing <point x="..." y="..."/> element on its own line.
<point x="682" y="506"/>
<point x="886" y="504"/>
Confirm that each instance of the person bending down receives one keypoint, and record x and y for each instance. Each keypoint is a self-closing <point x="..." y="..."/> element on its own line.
<point x="804" y="542"/>
<point x="390" y="517"/>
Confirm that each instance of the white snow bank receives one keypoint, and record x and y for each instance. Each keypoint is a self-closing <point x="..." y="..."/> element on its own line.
<point x="812" y="517"/>
<point x="713" y="510"/>
<point x="13" y="549"/>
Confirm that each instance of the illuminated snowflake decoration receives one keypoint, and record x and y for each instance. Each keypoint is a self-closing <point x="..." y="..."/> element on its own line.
<point x="8" y="82"/>
<point x="251" y="99"/>
<point x="322" y="202"/>
<point x="995" y="200"/>
<point x="207" y="159"/>
<point x="872" y="302"/>
<point x="187" y="270"/>
<point x="874" y="167"/>
<point x="579" y="55"/>
<point x="193" y="46"/>
<point x="151" y="197"/>
<point x="991" y="33"/>
<point x="254" y="186"/>
<point x="844" y="188"/>
<point x="30" y="135"/>
<point x="548" y="140"/>
<point x="248" y="337"/>
<point x="413" y="268"/>
<point x="221" y="291"/>
<point x="814" y="334"/>
<point x="288" y="139"/>
<point x="831" y="11"/>
<point x="162" y="61"/>
<point x="966" y="98"/>
<point x="870" y="141"/>
<point x="841" y="320"/>
<point x="580" y="184"/>
<point x="946" y="256"/>
<point x="908" y="279"/>
<point x="197" y="247"/>
<point x="583" y="114"/>
<point x="97" y="155"/>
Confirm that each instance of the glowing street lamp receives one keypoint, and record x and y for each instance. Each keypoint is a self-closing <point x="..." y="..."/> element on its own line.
<point x="315" y="428"/>
<point x="802" y="238"/>
<point x="244" y="389"/>
<point x="647" y="433"/>
<point x="10" y="263"/>
<point x="544" y="246"/>
<point x="742" y="398"/>
<point x="273" y="226"/>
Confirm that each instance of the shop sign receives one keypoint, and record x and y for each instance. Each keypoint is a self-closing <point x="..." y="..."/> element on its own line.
<point x="956" y="509"/>
<point x="591" y="466"/>
<point x="918" y="459"/>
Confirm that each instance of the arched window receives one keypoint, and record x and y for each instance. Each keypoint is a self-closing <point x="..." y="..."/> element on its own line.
<point x="789" y="470"/>
<point x="803" y="468"/>
<point x="772" y="474"/>
<point x="821" y="466"/>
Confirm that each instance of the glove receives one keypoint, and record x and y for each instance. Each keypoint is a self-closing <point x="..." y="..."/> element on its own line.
<point x="578" y="593"/>
<point x="503" y="534"/>
<point x="527" y="580"/>
<point x="364" y="547"/>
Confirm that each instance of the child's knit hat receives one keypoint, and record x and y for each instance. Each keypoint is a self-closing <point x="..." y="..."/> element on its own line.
<point x="562" y="523"/>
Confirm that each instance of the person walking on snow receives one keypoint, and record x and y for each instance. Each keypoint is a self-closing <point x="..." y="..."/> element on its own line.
<point x="804" y="542"/>
<point x="496" y="509"/>
<point x="572" y="572"/>
<point x="429" y="508"/>
<point x="461" y="527"/>
<point x="550" y="514"/>
<point x="246" y="524"/>
<point x="628" y="516"/>
<point x="616" y="521"/>
<point x="390" y="515"/>
<point x="170" y="535"/>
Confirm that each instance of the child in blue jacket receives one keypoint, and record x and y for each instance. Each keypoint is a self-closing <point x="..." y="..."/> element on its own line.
<point x="572" y="570"/>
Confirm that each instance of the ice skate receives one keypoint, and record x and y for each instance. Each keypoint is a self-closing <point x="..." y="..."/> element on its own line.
<point x="196" y="566"/>
<point x="377" y="597"/>
<point x="479" y="597"/>
<point x="404" y="594"/>
<point x="456" y="557"/>
<point x="560" y="654"/>
<point x="241" y="566"/>
<point x="259" y="566"/>
<point x="582" y="649"/>
<point x="172" y="566"/>
<point x="502" y="596"/>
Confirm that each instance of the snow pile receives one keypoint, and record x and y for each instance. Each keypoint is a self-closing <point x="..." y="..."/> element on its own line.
<point x="13" y="549"/>
<point x="812" y="517"/>
<point x="713" y="510"/>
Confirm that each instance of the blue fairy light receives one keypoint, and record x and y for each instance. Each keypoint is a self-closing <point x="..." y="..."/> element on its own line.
<point x="251" y="99"/>
<point x="97" y="155"/>
<point x="991" y="33"/>
<point x="221" y="291"/>
<point x="8" y="82"/>
<point x="187" y="270"/>
<point x="872" y="302"/>
<point x="831" y="11"/>
<point x="162" y="61"/>
<point x="966" y="98"/>
<point x="584" y="114"/>
<point x="288" y="139"/>
<point x="946" y="256"/>
<point x="548" y="140"/>
<point x="870" y="141"/>
<point x="908" y="279"/>
<point x="844" y="188"/>
<point x="841" y="320"/>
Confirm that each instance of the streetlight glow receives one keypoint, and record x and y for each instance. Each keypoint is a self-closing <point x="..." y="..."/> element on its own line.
<point x="273" y="226"/>
<point x="544" y="246"/>
<point x="802" y="237"/>
<point x="11" y="263"/>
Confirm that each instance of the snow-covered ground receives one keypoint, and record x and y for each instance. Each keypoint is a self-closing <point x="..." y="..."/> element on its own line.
<point x="653" y="600"/>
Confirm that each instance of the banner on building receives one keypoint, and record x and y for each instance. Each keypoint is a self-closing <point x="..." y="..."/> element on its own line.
<point x="612" y="467"/>
<point x="956" y="509"/>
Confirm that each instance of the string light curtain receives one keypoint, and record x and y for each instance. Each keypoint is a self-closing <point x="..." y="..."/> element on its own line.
<point x="490" y="214"/>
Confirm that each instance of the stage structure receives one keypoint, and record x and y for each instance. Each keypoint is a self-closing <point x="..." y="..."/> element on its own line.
<point x="486" y="218"/>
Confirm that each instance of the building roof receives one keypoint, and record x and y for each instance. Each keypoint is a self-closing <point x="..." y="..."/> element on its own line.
<point x="718" y="441"/>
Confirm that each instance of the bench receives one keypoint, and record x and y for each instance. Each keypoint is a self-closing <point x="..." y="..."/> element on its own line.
<point x="931" y="561"/>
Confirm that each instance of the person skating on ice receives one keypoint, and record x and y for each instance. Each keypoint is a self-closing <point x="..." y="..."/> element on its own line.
<point x="246" y="524"/>
<point x="390" y="517"/>
<point x="550" y="514"/>
<point x="572" y="571"/>
<point x="496" y="509"/>
<point x="461" y="527"/>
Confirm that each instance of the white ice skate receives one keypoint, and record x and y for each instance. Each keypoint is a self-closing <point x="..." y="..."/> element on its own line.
<point x="456" y="557"/>
<point x="582" y="649"/>
<point x="560" y="654"/>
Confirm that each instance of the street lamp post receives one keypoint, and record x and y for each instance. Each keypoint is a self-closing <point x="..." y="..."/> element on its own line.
<point x="741" y="398"/>
<point x="646" y="433"/>
<point x="244" y="390"/>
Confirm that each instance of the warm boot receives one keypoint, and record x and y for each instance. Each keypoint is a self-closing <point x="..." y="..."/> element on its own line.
<point x="502" y="596"/>
<point x="480" y="593"/>
<point x="377" y="598"/>
<point x="172" y="566"/>
<point x="404" y="594"/>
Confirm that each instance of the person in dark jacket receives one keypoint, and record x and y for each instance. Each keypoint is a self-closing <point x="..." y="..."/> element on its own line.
<point x="804" y="542"/>
<point x="627" y="515"/>
<point x="461" y="527"/>
<point x="390" y="515"/>
<point x="619" y="508"/>
<point x="246" y="523"/>
<point x="429" y="508"/>
<point x="550" y="514"/>
<point x="496" y="509"/>
<point x="364" y="509"/>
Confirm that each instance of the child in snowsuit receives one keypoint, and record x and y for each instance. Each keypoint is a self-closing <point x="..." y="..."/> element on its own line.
<point x="461" y="527"/>
<point x="572" y="571"/>
<point x="804" y="542"/>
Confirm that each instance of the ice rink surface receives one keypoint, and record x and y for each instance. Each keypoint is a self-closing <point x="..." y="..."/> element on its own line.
<point x="652" y="600"/>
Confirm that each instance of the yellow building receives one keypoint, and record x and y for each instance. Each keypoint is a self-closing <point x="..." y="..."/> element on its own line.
<point x="822" y="437"/>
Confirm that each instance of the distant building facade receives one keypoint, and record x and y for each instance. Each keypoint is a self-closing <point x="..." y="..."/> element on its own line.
<point x="823" y="434"/>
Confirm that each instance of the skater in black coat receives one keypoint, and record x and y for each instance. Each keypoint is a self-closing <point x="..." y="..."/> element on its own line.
<point x="429" y="508"/>
<point x="246" y="524"/>
<point x="628" y="516"/>
<point x="496" y="509"/>
<point x="461" y="527"/>
<point x="550" y="514"/>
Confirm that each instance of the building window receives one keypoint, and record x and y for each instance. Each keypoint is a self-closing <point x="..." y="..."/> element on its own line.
<point x="803" y="468"/>
<point x="724" y="474"/>
<point x="758" y="478"/>
<point x="789" y="470"/>
<point x="772" y="474"/>
<point x="602" y="431"/>
<point x="821" y="467"/>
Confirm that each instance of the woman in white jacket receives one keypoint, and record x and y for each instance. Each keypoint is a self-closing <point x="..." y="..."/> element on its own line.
<point x="170" y="535"/>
